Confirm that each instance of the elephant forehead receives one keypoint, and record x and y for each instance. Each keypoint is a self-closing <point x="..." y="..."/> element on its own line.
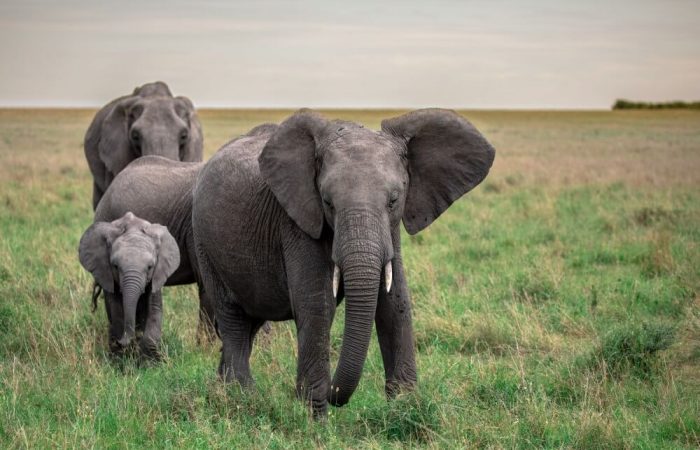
<point x="153" y="89"/>
<point x="363" y="143"/>
<point x="134" y="238"/>
<point x="368" y="159"/>
<point x="158" y="108"/>
<point x="129" y="221"/>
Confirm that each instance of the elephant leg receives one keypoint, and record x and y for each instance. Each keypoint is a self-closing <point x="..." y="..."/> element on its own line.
<point x="150" y="341"/>
<point x="236" y="329"/>
<point x="237" y="334"/>
<point x="313" y="365"/>
<point x="206" y="331"/>
<point x="108" y="307"/>
<point x="310" y="286"/>
<point x="116" y="321"/>
<point x="395" y="333"/>
<point x="142" y="311"/>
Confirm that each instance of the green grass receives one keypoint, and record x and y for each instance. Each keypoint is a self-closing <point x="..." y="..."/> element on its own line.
<point x="556" y="306"/>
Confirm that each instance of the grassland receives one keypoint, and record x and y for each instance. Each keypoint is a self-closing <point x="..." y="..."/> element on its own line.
<point x="558" y="305"/>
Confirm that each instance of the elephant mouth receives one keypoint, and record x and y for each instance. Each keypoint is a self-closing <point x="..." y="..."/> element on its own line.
<point x="388" y="278"/>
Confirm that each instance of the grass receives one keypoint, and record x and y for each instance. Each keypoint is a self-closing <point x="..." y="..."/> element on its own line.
<point x="556" y="306"/>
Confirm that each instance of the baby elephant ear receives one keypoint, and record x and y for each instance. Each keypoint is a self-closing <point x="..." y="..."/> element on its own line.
<point x="168" y="257"/>
<point x="447" y="157"/>
<point x="94" y="252"/>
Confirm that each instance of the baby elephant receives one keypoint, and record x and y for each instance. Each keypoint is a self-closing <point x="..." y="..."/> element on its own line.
<point x="130" y="259"/>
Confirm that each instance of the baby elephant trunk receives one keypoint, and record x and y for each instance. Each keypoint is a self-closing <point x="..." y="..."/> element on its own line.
<point x="132" y="287"/>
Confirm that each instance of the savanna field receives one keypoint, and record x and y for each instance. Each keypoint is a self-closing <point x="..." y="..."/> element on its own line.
<point x="557" y="305"/>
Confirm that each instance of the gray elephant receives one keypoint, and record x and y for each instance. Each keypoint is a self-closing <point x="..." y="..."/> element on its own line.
<point x="150" y="121"/>
<point x="159" y="190"/>
<point x="130" y="259"/>
<point x="289" y="222"/>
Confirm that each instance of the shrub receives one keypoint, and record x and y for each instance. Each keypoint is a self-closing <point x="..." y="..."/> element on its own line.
<point x="677" y="104"/>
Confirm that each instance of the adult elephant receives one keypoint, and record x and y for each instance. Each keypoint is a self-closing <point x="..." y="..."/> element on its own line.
<point x="159" y="190"/>
<point x="150" y="121"/>
<point x="289" y="222"/>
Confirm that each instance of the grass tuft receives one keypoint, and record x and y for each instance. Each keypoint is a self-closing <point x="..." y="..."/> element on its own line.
<point x="633" y="349"/>
<point x="533" y="287"/>
<point x="648" y="216"/>
<point x="659" y="259"/>
<point x="411" y="417"/>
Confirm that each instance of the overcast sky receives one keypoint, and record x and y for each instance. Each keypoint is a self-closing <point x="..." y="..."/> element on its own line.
<point x="355" y="53"/>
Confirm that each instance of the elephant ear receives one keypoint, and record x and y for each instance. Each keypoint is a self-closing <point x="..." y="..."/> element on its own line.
<point x="114" y="147"/>
<point x="168" y="258"/>
<point x="288" y="166"/>
<point x="447" y="157"/>
<point x="94" y="252"/>
<point x="192" y="152"/>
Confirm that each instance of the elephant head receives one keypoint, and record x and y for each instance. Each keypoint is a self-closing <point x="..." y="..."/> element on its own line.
<point x="360" y="184"/>
<point x="129" y="256"/>
<point x="150" y="121"/>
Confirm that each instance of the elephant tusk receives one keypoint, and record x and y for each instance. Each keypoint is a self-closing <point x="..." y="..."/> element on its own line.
<point x="388" y="275"/>
<point x="336" y="281"/>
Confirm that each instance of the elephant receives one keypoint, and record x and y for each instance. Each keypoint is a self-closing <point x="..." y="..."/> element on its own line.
<point x="150" y="121"/>
<point x="131" y="258"/>
<point x="159" y="190"/>
<point x="289" y="222"/>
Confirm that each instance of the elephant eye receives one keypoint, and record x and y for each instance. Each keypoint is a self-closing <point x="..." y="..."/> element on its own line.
<point x="183" y="136"/>
<point x="392" y="199"/>
<point x="135" y="112"/>
<point x="327" y="203"/>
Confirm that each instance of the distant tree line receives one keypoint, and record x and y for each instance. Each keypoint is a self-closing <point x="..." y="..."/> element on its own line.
<point x="627" y="104"/>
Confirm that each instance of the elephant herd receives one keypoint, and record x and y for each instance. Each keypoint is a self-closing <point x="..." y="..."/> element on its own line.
<point x="282" y="223"/>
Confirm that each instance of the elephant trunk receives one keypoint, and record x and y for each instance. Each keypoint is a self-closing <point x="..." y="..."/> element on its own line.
<point x="361" y="254"/>
<point x="161" y="141"/>
<point x="132" y="286"/>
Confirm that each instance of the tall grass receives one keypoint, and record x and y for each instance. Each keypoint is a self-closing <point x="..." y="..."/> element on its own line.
<point x="557" y="306"/>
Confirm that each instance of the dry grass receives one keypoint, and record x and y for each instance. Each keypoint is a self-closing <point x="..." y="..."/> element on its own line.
<point x="525" y="294"/>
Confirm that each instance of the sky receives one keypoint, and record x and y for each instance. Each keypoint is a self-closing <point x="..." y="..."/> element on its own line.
<point x="497" y="54"/>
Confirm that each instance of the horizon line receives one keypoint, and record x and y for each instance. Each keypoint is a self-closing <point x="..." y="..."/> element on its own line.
<point x="318" y="107"/>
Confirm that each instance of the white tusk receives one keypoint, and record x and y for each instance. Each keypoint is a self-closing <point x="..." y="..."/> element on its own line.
<point x="388" y="275"/>
<point x="336" y="281"/>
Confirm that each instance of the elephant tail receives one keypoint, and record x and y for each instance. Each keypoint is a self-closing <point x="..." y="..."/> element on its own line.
<point x="96" y="291"/>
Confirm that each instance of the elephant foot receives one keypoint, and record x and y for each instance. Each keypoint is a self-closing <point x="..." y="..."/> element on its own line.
<point x="228" y="375"/>
<point x="150" y="352"/>
<point x="116" y="349"/>
<point x="320" y="413"/>
<point x="318" y="406"/>
<point x="396" y="387"/>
